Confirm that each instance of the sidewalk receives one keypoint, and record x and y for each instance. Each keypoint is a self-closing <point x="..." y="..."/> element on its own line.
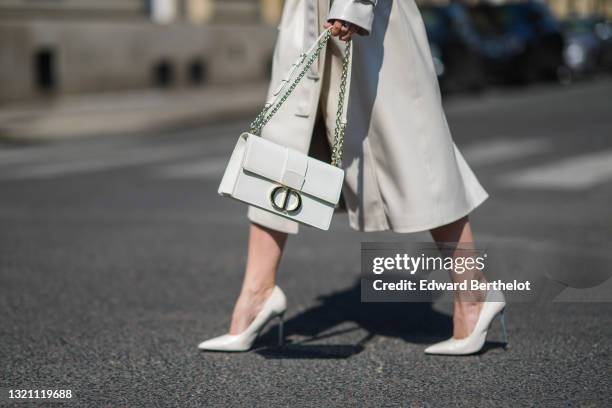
<point x="125" y="112"/>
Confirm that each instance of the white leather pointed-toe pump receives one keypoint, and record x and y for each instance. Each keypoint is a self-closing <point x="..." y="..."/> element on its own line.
<point x="475" y="341"/>
<point x="274" y="307"/>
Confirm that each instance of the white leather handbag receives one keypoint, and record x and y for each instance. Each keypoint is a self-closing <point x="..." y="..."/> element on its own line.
<point x="285" y="181"/>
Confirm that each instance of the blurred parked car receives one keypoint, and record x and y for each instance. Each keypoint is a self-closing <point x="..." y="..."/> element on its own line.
<point x="454" y="46"/>
<point x="474" y="45"/>
<point x="519" y="41"/>
<point x="588" y="48"/>
<point x="603" y="29"/>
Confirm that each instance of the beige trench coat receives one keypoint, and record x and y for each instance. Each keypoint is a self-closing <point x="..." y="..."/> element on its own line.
<point x="403" y="170"/>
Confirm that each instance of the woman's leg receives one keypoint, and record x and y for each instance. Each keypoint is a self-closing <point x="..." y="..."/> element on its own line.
<point x="467" y="306"/>
<point x="264" y="254"/>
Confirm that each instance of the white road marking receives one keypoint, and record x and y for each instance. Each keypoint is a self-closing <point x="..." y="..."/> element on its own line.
<point x="214" y="135"/>
<point x="499" y="150"/>
<point x="203" y="168"/>
<point x="41" y="162"/>
<point x="132" y="157"/>
<point x="51" y="153"/>
<point x="571" y="174"/>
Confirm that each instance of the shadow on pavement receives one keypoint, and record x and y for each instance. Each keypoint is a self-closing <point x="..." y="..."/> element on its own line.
<point x="412" y="322"/>
<point x="492" y="345"/>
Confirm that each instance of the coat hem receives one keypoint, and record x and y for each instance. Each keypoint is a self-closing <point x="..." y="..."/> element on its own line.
<point x="406" y="229"/>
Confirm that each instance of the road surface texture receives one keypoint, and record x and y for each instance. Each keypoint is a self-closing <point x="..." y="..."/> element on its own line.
<point x="117" y="258"/>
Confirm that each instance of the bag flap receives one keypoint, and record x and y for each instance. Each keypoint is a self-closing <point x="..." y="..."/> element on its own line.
<point x="293" y="169"/>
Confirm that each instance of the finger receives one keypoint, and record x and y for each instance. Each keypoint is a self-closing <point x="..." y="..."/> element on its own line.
<point x="327" y="25"/>
<point x="352" y="30"/>
<point x="337" y="28"/>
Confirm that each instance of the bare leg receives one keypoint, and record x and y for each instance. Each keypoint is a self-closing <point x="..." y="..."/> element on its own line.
<point x="264" y="254"/>
<point x="466" y="308"/>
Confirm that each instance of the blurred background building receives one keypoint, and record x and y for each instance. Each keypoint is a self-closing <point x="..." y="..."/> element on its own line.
<point x="55" y="47"/>
<point x="82" y="46"/>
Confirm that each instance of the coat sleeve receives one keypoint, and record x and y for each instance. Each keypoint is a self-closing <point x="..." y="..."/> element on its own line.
<point x="358" y="12"/>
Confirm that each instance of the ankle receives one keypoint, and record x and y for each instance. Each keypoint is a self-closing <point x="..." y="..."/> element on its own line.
<point x="467" y="307"/>
<point x="469" y="297"/>
<point x="257" y="289"/>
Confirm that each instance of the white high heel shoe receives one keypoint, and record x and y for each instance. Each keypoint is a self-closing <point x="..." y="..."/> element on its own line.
<point x="274" y="307"/>
<point x="475" y="341"/>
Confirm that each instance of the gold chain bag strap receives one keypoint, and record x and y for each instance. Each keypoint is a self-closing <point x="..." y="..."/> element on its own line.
<point x="288" y="85"/>
<point x="282" y="180"/>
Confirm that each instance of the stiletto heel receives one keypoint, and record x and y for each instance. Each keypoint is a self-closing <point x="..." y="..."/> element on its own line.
<point x="502" y="321"/>
<point x="475" y="341"/>
<point x="274" y="306"/>
<point x="281" y="336"/>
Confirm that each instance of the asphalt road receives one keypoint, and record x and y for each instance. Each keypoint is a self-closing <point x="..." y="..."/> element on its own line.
<point x="117" y="257"/>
